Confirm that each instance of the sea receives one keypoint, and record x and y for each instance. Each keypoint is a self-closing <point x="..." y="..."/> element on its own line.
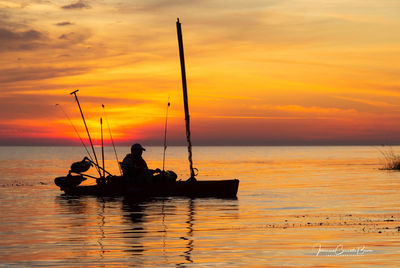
<point x="325" y="206"/>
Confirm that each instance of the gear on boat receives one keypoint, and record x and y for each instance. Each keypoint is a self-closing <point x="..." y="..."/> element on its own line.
<point x="81" y="166"/>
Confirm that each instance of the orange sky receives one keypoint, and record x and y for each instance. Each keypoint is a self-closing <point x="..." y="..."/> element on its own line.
<point x="259" y="72"/>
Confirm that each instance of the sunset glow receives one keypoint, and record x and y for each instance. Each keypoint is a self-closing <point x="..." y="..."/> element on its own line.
<point x="259" y="72"/>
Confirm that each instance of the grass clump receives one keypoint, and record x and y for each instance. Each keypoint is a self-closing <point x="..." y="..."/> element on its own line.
<point x="392" y="160"/>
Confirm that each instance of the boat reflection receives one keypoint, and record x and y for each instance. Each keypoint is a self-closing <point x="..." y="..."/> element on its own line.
<point x="189" y="235"/>
<point x="141" y="232"/>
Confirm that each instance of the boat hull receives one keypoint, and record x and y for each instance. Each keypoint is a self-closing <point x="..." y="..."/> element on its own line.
<point x="220" y="188"/>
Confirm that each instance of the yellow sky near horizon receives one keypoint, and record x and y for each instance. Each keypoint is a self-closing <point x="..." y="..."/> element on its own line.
<point x="259" y="72"/>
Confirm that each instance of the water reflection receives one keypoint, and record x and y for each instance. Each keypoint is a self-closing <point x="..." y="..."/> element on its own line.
<point x="133" y="212"/>
<point x="290" y="199"/>
<point x="71" y="204"/>
<point x="150" y="232"/>
<point x="101" y="226"/>
<point x="189" y="236"/>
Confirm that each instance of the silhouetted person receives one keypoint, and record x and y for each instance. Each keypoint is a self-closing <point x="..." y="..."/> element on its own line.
<point x="134" y="166"/>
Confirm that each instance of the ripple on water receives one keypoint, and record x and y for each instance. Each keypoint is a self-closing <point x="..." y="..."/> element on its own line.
<point x="290" y="200"/>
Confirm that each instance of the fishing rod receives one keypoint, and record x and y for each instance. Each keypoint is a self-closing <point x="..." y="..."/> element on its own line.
<point x="102" y="146"/>
<point x="111" y="137"/>
<point x="87" y="131"/>
<point x="76" y="131"/>
<point x="105" y="171"/>
<point x="165" y="136"/>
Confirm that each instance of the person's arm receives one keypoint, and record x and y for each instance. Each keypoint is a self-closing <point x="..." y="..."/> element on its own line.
<point x="151" y="171"/>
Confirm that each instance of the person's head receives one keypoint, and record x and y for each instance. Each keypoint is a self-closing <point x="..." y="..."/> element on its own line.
<point x="137" y="149"/>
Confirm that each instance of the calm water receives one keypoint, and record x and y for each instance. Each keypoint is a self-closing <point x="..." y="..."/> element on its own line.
<point x="295" y="206"/>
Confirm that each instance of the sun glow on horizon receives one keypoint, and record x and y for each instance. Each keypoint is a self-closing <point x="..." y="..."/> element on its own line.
<point x="292" y="72"/>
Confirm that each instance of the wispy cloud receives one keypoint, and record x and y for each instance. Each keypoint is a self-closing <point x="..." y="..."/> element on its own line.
<point x="20" y="40"/>
<point x="370" y="102"/>
<point x="77" y="5"/>
<point x="38" y="73"/>
<point x="64" y="23"/>
<point x="314" y="110"/>
<point x="74" y="37"/>
<point x="300" y="110"/>
<point x="253" y="66"/>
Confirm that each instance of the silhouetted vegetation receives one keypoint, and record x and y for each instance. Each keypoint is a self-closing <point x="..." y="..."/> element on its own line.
<point x="392" y="159"/>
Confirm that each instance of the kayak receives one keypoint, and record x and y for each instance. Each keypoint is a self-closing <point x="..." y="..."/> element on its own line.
<point x="120" y="186"/>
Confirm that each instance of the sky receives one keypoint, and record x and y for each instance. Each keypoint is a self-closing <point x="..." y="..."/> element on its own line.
<point x="259" y="72"/>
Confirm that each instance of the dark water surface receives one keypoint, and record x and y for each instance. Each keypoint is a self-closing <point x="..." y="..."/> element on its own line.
<point x="295" y="206"/>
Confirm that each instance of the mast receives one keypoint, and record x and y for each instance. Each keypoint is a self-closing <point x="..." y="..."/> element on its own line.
<point x="185" y="98"/>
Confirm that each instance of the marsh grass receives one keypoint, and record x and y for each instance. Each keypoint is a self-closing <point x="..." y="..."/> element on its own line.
<point x="392" y="160"/>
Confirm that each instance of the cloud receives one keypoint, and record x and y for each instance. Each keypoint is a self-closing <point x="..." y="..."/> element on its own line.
<point x="161" y="6"/>
<point x="77" y="5"/>
<point x="300" y="111"/>
<point x="28" y="40"/>
<point x="374" y="103"/>
<point x="26" y="106"/>
<point x="72" y="38"/>
<point x="64" y="23"/>
<point x="38" y="73"/>
<point x="67" y="36"/>
<point x="266" y="22"/>
<point x="20" y="40"/>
